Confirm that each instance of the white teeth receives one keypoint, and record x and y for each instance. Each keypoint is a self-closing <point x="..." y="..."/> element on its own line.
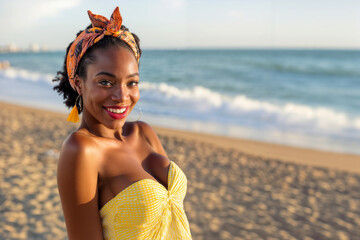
<point x="116" y="110"/>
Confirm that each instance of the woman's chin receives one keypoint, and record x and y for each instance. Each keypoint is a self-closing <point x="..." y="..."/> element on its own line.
<point x="117" y="124"/>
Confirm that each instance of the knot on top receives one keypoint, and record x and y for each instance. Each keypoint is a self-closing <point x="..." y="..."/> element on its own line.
<point x="101" y="26"/>
<point x="110" y="27"/>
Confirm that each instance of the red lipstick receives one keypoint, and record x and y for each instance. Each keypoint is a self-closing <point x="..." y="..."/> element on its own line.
<point x="115" y="115"/>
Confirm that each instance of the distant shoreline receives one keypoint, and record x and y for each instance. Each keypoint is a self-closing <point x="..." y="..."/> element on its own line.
<point x="340" y="161"/>
<point x="305" y="98"/>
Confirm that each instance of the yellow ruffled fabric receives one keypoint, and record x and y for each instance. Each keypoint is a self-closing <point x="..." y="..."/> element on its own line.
<point x="147" y="210"/>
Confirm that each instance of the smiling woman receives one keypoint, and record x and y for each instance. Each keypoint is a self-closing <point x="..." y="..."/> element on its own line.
<point x="112" y="79"/>
<point x="114" y="177"/>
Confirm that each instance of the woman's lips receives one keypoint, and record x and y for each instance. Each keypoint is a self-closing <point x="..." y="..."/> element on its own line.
<point x="117" y="112"/>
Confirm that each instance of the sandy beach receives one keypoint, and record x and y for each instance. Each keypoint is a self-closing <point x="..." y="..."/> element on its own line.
<point x="237" y="189"/>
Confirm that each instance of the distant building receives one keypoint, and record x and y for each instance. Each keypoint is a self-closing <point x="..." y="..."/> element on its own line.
<point x="12" y="48"/>
<point x="34" y="47"/>
<point x="44" y="48"/>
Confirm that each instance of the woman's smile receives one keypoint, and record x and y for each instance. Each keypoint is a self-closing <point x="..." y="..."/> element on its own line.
<point x="117" y="112"/>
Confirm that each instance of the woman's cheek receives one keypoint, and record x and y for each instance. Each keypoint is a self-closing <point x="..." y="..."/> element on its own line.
<point x="136" y="95"/>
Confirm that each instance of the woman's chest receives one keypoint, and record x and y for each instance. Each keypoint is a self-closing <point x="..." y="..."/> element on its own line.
<point x="124" y="166"/>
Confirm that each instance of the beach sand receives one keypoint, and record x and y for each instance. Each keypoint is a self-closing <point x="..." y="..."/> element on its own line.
<point x="237" y="189"/>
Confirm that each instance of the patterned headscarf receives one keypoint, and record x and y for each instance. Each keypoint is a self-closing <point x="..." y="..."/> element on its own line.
<point x="101" y="26"/>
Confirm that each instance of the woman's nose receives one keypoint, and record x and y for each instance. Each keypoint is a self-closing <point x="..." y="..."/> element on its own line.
<point x="120" y="94"/>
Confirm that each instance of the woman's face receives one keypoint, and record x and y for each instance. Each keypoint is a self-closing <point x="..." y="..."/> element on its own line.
<point x="110" y="90"/>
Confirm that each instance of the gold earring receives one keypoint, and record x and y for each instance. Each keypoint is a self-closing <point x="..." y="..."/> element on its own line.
<point x="140" y="112"/>
<point x="74" y="114"/>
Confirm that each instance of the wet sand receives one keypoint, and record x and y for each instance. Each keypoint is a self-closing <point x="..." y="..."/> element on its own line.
<point x="237" y="189"/>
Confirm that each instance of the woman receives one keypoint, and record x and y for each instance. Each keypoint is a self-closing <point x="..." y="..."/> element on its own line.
<point x="114" y="177"/>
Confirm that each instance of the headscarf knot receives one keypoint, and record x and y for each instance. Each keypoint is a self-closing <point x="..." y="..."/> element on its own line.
<point x="101" y="27"/>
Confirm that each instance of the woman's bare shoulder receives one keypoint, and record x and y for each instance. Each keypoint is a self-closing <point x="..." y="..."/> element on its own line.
<point x="78" y="146"/>
<point x="146" y="131"/>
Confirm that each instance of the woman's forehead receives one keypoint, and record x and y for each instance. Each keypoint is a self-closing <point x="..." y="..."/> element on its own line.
<point x="113" y="53"/>
<point x="118" y="61"/>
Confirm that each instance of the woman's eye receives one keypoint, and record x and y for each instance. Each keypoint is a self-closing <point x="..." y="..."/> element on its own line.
<point x="133" y="83"/>
<point x="105" y="83"/>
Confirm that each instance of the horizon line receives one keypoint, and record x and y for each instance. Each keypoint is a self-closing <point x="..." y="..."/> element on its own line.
<point x="214" y="48"/>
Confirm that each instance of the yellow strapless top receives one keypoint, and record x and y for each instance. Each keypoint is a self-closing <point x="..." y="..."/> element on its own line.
<point x="147" y="210"/>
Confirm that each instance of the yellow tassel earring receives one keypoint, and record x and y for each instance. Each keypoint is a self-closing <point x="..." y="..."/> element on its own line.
<point x="74" y="114"/>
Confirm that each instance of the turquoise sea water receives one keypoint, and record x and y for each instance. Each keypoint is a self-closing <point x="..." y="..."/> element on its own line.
<point x="308" y="98"/>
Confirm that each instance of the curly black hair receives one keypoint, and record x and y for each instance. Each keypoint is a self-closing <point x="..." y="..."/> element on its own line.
<point x="64" y="88"/>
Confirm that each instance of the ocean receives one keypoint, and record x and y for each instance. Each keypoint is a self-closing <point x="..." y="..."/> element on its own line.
<point x="305" y="98"/>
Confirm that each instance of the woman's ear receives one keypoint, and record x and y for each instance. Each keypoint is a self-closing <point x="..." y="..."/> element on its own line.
<point x="78" y="84"/>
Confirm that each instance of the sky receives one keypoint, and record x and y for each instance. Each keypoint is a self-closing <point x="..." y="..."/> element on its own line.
<point x="179" y="24"/>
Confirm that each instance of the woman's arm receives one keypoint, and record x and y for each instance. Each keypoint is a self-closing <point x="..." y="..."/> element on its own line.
<point x="77" y="178"/>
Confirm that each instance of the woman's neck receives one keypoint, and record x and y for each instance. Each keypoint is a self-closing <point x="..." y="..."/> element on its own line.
<point x="100" y="130"/>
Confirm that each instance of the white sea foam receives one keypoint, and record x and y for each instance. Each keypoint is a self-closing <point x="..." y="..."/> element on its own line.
<point x="240" y="108"/>
<point x="22" y="74"/>
<point x="202" y="104"/>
